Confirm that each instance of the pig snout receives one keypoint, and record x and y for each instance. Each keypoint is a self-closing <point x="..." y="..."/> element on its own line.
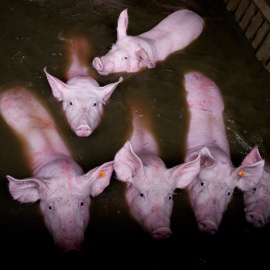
<point x="161" y="233"/>
<point x="69" y="242"/>
<point x="83" y="130"/>
<point x="209" y="226"/>
<point x="97" y="64"/>
<point x="255" y="218"/>
<point x="103" y="67"/>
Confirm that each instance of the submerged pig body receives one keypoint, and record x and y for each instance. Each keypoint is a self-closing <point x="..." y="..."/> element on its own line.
<point x="131" y="53"/>
<point x="58" y="181"/>
<point x="150" y="184"/>
<point x="257" y="201"/>
<point x="82" y="97"/>
<point x="212" y="189"/>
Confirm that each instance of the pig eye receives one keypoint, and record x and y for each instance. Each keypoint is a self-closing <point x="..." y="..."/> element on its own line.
<point x="94" y="104"/>
<point x="201" y="186"/>
<point x="228" y="193"/>
<point x="70" y="103"/>
<point x="51" y="207"/>
<point x="81" y="203"/>
<point x="170" y="197"/>
<point x="125" y="58"/>
<point x="254" y="190"/>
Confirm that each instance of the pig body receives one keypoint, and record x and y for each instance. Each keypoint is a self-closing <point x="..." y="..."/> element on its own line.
<point x="257" y="201"/>
<point x="150" y="184"/>
<point x="131" y="53"/>
<point x="58" y="181"/>
<point x="82" y="97"/>
<point x="212" y="189"/>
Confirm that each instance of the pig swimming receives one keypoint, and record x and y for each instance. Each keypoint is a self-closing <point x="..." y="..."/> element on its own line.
<point x="257" y="200"/>
<point x="131" y="53"/>
<point x="82" y="97"/>
<point x="212" y="189"/>
<point x="150" y="185"/>
<point x="58" y="181"/>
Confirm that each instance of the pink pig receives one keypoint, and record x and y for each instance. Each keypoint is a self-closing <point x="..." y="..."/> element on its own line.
<point x="212" y="189"/>
<point x="131" y="53"/>
<point x="150" y="185"/>
<point x="58" y="181"/>
<point x="82" y="97"/>
<point x="257" y="200"/>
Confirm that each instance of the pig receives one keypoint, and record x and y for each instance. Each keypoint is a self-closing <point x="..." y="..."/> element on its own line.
<point x="257" y="200"/>
<point x="132" y="53"/>
<point x="150" y="184"/>
<point x="213" y="187"/>
<point x="58" y="182"/>
<point x="81" y="96"/>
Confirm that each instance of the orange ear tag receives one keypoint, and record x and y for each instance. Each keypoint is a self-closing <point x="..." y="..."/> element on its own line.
<point x="241" y="173"/>
<point x="179" y="172"/>
<point x="101" y="174"/>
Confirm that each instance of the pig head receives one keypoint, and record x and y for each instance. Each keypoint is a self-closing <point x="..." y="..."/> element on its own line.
<point x="127" y="55"/>
<point x="150" y="187"/>
<point x="214" y="185"/>
<point x="64" y="194"/>
<point x="82" y="100"/>
<point x="257" y="199"/>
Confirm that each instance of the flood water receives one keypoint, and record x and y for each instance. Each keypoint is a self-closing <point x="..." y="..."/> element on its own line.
<point x="33" y="35"/>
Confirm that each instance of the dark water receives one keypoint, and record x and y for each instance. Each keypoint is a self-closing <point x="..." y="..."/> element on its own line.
<point x="32" y="36"/>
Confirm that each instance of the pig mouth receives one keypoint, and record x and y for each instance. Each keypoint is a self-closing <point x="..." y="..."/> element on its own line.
<point x="83" y="130"/>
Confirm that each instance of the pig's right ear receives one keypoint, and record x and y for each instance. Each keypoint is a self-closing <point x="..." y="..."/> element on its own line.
<point x="27" y="190"/>
<point x="58" y="87"/>
<point x="185" y="173"/>
<point x="127" y="164"/>
<point x="122" y="25"/>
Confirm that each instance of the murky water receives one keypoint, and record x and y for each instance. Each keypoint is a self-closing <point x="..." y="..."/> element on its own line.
<point x="32" y="37"/>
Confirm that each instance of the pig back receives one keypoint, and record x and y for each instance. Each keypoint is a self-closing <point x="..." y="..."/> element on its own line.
<point x="206" y="107"/>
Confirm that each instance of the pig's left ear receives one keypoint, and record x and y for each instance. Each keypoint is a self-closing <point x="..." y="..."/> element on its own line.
<point x="106" y="91"/>
<point x="185" y="173"/>
<point x="99" y="178"/>
<point x="122" y="25"/>
<point x="250" y="172"/>
<point x="143" y="56"/>
<point x="57" y="86"/>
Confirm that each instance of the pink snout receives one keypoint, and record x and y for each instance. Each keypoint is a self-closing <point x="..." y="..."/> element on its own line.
<point x="255" y="218"/>
<point x="97" y="64"/>
<point x="83" y="130"/>
<point x="103" y="67"/>
<point x="208" y="226"/>
<point x="161" y="233"/>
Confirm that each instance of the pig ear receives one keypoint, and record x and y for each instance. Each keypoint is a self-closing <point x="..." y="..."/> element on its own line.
<point x="127" y="164"/>
<point x="26" y="190"/>
<point x="99" y="178"/>
<point x="250" y="172"/>
<point x="143" y="56"/>
<point x="107" y="90"/>
<point x="185" y="173"/>
<point x="57" y="86"/>
<point x="122" y="25"/>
